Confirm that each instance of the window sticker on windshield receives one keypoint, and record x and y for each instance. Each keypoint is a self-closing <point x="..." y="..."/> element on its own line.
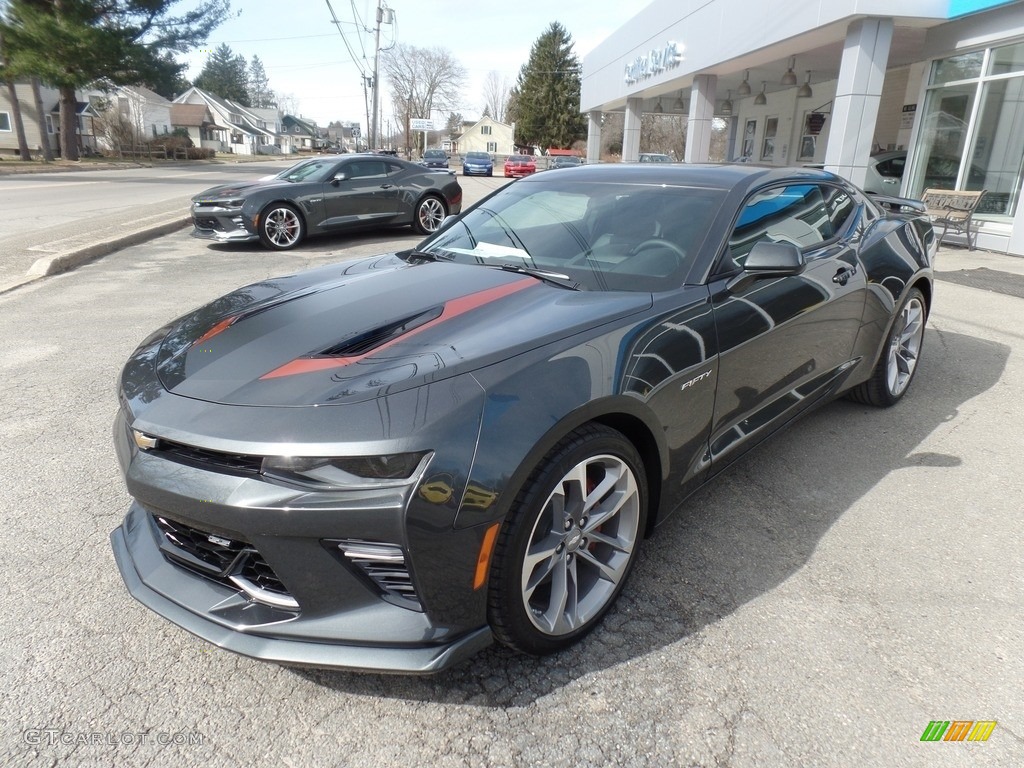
<point x="492" y="251"/>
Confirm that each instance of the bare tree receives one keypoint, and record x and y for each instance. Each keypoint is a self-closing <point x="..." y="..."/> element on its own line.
<point x="121" y="121"/>
<point x="287" y="103"/>
<point x="423" y="80"/>
<point x="496" y="92"/>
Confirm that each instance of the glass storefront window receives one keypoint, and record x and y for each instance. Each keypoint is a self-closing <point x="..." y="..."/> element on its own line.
<point x="1009" y="58"/>
<point x="942" y="137"/>
<point x="997" y="157"/>
<point x="963" y="67"/>
<point x="961" y="148"/>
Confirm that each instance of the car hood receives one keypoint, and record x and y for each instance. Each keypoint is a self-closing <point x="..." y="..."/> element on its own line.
<point x="351" y="332"/>
<point x="225" y="191"/>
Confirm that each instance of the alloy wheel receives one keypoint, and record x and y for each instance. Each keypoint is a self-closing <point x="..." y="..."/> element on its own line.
<point x="282" y="227"/>
<point x="430" y="214"/>
<point x="581" y="545"/>
<point x="905" y="346"/>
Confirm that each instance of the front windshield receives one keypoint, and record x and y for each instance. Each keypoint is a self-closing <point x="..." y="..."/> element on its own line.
<point x="478" y="156"/>
<point x="308" y="170"/>
<point x="601" y="236"/>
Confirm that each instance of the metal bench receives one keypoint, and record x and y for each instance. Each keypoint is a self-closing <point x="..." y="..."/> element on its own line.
<point x="953" y="209"/>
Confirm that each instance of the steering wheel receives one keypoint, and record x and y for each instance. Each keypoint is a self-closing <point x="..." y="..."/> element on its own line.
<point x="650" y="245"/>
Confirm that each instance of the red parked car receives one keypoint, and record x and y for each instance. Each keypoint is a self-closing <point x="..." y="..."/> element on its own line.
<point x="519" y="165"/>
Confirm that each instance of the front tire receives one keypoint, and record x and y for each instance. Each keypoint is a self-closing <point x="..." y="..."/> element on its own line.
<point x="429" y="214"/>
<point x="281" y="227"/>
<point x="569" y="543"/>
<point x="896" y="367"/>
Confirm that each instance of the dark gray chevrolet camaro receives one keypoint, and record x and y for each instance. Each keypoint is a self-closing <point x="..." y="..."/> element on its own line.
<point x="325" y="194"/>
<point x="385" y="464"/>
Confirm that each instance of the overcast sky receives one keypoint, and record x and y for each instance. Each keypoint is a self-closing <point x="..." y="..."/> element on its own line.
<point x="304" y="55"/>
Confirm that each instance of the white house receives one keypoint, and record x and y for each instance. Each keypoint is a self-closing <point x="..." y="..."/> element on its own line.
<point x="127" y="115"/>
<point x="247" y="129"/>
<point x="487" y="135"/>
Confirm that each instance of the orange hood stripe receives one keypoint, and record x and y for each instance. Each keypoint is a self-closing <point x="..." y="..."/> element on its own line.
<point x="452" y="309"/>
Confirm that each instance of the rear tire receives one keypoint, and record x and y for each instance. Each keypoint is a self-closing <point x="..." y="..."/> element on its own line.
<point x="429" y="213"/>
<point x="898" y="363"/>
<point x="281" y="227"/>
<point x="569" y="543"/>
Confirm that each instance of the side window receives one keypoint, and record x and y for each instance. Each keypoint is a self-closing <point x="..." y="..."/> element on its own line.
<point x="840" y="207"/>
<point x="794" y="214"/>
<point x="891" y="169"/>
<point x="364" y="168"/>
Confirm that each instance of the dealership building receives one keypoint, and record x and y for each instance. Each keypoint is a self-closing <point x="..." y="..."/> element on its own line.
<point x="939" y="85"/>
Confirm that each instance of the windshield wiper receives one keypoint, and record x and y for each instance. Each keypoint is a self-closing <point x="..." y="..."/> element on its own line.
<point x="555" y="278"/>
<point x="422" y="255"/>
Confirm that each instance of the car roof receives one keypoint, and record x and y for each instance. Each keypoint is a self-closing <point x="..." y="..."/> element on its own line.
<point x="716" y="176"/>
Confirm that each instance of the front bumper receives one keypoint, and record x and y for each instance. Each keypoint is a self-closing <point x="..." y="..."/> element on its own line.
<point x="222" y="225"/>
<point x="149" y="577"/>
<point x="273" y="570"/>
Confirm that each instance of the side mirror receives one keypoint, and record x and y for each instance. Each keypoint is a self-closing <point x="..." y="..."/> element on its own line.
<point x="767" y="259"/>
<point x="775" y="259"/>
<point x="339" y="176"/>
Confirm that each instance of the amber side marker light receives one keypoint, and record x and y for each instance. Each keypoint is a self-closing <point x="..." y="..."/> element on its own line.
<point x="483" y="560"/>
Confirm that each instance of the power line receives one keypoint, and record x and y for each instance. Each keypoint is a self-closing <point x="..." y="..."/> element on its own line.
<point x="345" y="39"/>
<point x="275" y="39"/>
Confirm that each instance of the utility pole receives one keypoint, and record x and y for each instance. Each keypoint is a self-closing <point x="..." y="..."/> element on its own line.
<point x="374" y="138"/>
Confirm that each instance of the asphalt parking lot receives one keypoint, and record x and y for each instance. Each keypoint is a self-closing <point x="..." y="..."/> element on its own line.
<point x="819" y="604"/>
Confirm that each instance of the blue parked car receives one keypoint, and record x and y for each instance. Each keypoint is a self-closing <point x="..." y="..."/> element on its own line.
<point x="477" y="163"/>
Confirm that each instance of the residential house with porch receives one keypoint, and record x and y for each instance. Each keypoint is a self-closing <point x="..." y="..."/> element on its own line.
<point x="305" y="134"/>
<point x="247" y="129"/>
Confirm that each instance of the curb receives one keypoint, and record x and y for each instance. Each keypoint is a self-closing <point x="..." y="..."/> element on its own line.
<point x="67" y="260"/>
<point x="62" y="262"/>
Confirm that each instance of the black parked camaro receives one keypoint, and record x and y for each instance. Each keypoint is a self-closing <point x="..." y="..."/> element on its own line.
<point x="324" y="194"/>
<point x="384" y="464"/>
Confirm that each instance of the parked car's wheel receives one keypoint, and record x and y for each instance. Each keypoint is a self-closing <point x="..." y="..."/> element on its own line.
<point x="898" y="363"/>
<point x="429" y="214"/>
<point x="569" y="543"/>
<point x="281" y="227"/>
<point x="490" y="173"/>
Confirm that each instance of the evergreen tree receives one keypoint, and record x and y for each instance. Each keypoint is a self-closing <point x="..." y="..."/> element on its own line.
<point x="226" y="74"/>
<point x="168" y="77"/>
<point x="70" y="44"/>
<point x="545" y="102"/>
<point x="260" y="94"/>
<point x="453" y="127"/>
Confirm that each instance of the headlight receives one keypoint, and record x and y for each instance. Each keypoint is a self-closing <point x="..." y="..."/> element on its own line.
<point x="219" y="205"/>
<point x="343" y="472"/>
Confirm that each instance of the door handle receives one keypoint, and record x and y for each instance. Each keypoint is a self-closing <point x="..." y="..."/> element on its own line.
<point x="386" y="186"/>
<point x="842" y="277"/>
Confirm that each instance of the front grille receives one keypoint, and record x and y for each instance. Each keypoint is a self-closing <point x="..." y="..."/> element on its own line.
<point x="232" y="562"/>
<point x="206" y="222"/>
<point x="234" y="463"/>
